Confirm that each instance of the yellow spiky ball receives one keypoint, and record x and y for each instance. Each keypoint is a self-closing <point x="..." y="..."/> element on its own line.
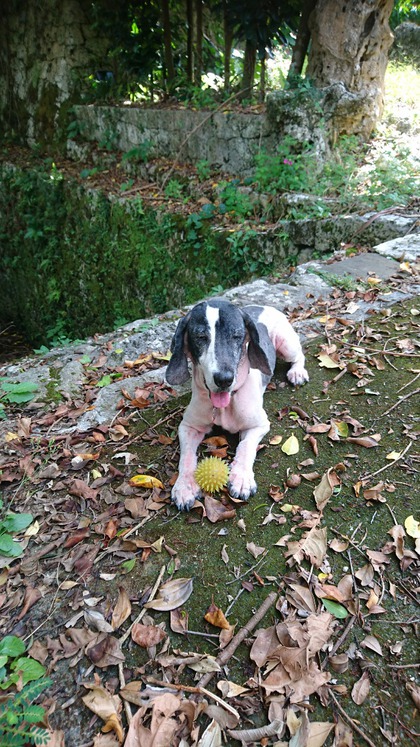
<point x="212" y="474"/>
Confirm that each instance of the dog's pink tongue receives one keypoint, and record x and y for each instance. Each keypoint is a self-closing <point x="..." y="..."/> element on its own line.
<point x="220" y="399"/>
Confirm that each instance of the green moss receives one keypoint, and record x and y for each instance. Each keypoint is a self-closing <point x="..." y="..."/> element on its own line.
<point x="79" y="263"/>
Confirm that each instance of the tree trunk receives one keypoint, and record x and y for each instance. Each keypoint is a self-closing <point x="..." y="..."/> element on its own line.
<point x="198" y="42"/>
<point x="249" y="70"/>
<point x="350" y="43"/>
<point x="228" y="39"/>
<point x="167" y="42"/>
<point x="302" y="41"/>
<point x="190" y="33"/>
<point x="263" y="79"/>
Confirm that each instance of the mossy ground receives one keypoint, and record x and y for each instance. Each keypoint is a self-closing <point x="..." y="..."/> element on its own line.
<point x="199" y="543"/>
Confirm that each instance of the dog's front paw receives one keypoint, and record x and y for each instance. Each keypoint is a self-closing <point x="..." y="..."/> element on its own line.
<point x="241" y="482"/>
<point x="185" y="492"/>
<point x="297" y="374"/>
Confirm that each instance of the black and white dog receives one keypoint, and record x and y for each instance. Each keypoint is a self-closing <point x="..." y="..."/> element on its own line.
<point x="233" y="354"/>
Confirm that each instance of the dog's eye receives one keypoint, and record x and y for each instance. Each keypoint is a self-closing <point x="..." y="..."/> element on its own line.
<point x="202" y="336"/>
<point x="237" y="336"/>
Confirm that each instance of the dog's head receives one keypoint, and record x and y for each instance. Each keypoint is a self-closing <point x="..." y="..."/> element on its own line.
<point x="216" y="335"/>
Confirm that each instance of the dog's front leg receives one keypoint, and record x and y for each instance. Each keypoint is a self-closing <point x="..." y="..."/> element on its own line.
<point x="186" y="490"/>
<point x="241" y="480"/>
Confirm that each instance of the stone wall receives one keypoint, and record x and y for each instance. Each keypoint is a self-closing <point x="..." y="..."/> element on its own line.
<point x="227" y="141"/>
<point x="46" y="49"/>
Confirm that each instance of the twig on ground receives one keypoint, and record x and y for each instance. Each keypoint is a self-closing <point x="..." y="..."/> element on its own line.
<point x="230" y="649"/>
<point x="143" y="610"/>
<point x="401" y="399"/>
<point x="197" y="690"/>
<point x="247" y="572"/>
<point x="403" y="666"/>
<point x="172" y="414"/>
<point x="409" y="383"/>
<point x="127" y="706"/>
<point x="339" y="641"/>
<point x="241" y="590"/>
<point x="386" y="466"/>
<point x="351" y="722"/>
<point x="353" y="544"/>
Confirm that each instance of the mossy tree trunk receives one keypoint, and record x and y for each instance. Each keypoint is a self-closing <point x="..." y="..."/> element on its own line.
<point x="250" y="60"/>
<point x="349" y="46"/>
<point x="302" y="41"/>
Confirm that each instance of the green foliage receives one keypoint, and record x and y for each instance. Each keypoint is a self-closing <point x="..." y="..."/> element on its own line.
<point x="287" y="171"/>
<point x="18" y="714"/>
<point x="173" y="189"/>
<point x="88" y="261"/>
<point x="17" y="393"/>
<point x="233" y="200"/>
<point x="404" y="10"/>
<point x="11" y="524"/>
<point x="139" y="154"/>
<point x="203" y="170"/>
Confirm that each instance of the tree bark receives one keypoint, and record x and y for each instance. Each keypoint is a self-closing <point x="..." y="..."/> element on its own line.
<point x="349" y="46"/>
<point x="302" y="41"/>
<point x="263" y="79"/>
<point x="167" y="42"/>
<point x="228" y="40"/>
<point x="198" y="42"/>
<point x="249" y="70"/>
<point x="190" y="37"/>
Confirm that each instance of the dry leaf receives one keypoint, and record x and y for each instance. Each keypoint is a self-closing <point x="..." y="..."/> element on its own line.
<point x="106" y="706"/>
<point x="325" y="361"/>
<point x="178" y="621"/>
<point x="172" y="594"/>
<point x="371" y="642"/>
<point x="324" y="490"/>
<point x="412" y="527"/>
<point x="145" y="481"/>
<point x="360" y="689"/>
<point x="367" y="441"/>
<point x="217" y="511"/>
<point x="147" y="635"/>
<point x="215" y="616"/>
<point x="231" y="689"/>
<point x="290" y="446"/>
<point x="254" y="549"/>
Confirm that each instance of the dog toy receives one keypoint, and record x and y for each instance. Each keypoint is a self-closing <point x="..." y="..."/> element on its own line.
<point x="212" y="474"/>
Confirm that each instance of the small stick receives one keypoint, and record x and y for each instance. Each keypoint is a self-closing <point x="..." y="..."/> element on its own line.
<point x="127" y="706"/>
<point x="228" y="652"/>
<point x="353" y="544"/>
<point x="172" y="414"/>
<point x="351" y="722"/>
<point x="246" y="573"/>
<point x="144" y="609"/>
<point x="401" y="399"/>
<point x="241" y="590"/>
<point x="339" y="641"/>
<point x="402" y="666"/>
<point x="386" y="466"/>
<point x="196" y="690"/>
<point x="409" y="383"/>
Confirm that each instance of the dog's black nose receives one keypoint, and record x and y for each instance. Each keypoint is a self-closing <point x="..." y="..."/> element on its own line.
<point x="223" y="379"/>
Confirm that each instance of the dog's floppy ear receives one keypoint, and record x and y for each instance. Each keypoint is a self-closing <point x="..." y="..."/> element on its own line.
<point x="177" y="370"/>
<point x="261" y="353"/>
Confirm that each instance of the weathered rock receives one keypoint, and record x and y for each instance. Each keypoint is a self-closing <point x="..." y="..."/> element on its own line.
<point x="62" y="370"/>
<point x="406" y="47"/>
<point x="403" y="248"/>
